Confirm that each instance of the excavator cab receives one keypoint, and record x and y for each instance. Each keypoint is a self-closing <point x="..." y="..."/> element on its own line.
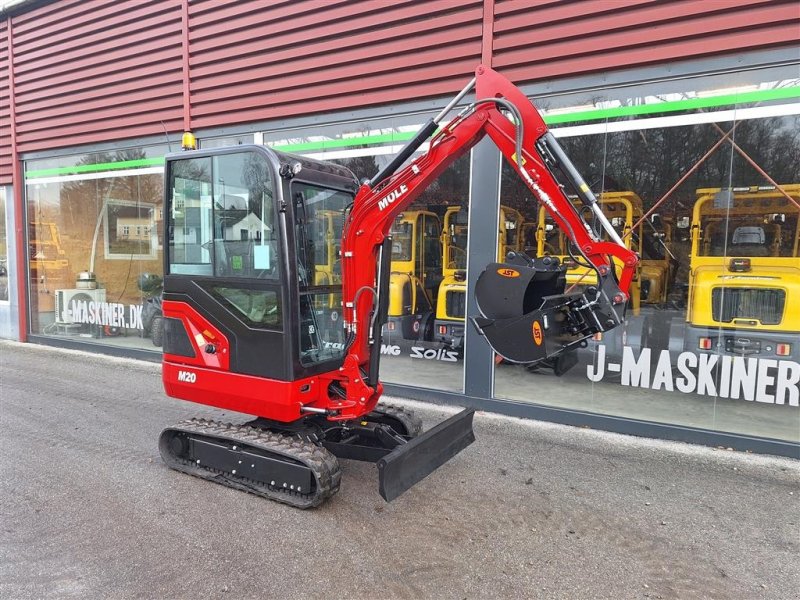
<point x="245" y="275"/>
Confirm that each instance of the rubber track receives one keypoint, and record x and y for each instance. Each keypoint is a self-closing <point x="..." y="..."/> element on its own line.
<point x="323" y="464"/>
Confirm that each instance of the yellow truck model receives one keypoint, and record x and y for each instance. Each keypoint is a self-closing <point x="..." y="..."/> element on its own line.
<point x="415" y="276"/>
<point x="658" y="265"/>
<point x="452" y="298"/>
<point x="327" y="268"/>
<point x="49" y="267"/>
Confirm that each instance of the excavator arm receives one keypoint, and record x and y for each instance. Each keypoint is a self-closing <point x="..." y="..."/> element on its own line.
<point x="526" y="314"/>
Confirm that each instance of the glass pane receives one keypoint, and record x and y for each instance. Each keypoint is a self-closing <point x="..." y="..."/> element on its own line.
<point x="222" y="217"/>
<point x="225" y="141"/>
<point x="256" y="308"/>
<point x="423" y="339"/>
<point x="710" y="339"/>
<point x="3" y="248"/>
<point x="748" y="237"/>
<point x="319" y="219"/>
<point x="245" y="240"/>
<point x="96" y="234"/>
<point x="190" y="231"/>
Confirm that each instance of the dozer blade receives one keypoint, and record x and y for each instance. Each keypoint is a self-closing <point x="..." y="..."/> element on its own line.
<point x="410" y="463"/>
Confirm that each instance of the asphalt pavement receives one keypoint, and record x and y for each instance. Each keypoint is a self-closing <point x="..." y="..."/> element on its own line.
<point x="531" y="510"/>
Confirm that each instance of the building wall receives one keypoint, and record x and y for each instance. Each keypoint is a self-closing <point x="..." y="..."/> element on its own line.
<point x="5" y="106"/>
<point x="87" y="72"/>
<point x="544" y="40"/>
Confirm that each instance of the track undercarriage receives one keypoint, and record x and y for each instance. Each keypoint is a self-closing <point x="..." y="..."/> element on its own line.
<point x="297" y="463"/>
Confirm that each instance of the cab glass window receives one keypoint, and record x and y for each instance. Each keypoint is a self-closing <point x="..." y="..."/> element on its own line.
<point x="221" y="217"/>
<point x="319" y="217"/>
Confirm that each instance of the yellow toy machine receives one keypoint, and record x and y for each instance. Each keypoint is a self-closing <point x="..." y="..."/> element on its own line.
<point x="327" y="268"/>
<point x="50" y="269"/>
<point x="658" y="264"/>
<point x="623" y="210"/>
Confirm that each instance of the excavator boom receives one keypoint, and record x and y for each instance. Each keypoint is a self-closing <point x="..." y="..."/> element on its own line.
<point x="526" y="316"/>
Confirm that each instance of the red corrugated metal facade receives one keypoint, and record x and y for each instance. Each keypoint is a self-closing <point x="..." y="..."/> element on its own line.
<point x="5" y="107"/>
<point x="99" y="70"/>
<point x="92" y="71"/>
<point x="549" y="39"/>
<point x="249" y="63"/>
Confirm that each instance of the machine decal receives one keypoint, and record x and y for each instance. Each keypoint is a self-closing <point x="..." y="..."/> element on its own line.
<point x="434" y="354"/>
<point x="187" y="376"/>
<point x="392" y="196"/>
<point x="508" y="272"/>
<point x="537" y="333"/>
<point x="751" y="379"/>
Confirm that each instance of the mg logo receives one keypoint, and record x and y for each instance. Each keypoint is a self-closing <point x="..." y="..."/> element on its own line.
<point x="187" y="376"/>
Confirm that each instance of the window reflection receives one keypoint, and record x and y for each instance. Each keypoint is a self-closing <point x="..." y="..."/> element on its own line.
<point x="711" y="338"/>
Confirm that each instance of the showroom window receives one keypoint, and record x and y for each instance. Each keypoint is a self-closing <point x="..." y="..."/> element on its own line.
<point x="95" y="243"/>
<point x="701" y="176"/>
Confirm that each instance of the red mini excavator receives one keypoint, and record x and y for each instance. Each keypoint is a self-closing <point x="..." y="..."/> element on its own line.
<point x="255" y="323"/>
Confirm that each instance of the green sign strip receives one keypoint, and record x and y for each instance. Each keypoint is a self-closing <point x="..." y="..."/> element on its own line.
<point x="676" y="105"/>
<point x="106" y="166"/>
<point x="576" y="117"/>
<point x="791" y="92"/>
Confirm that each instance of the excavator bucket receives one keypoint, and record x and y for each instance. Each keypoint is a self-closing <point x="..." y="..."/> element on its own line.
<point x="410" y="463"/>
<point x="527" y="317"/>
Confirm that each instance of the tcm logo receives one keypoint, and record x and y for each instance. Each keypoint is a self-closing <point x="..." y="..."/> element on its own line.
<point x="508" y="272"/>
<point x="187" y="376"/>
<point x="392" y="196"/>
<point x="537" y="333"/>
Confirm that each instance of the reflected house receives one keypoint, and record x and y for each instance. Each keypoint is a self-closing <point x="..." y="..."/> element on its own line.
<point x="238" y="225"/>
<point x="133" y="228"/>
<point x="232" y="225"/>
<point x="130" y="223"/>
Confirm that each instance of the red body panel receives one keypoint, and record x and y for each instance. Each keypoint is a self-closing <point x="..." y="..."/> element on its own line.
<point x="201" y="334"/>
<point x="206" y="378"/>
<point x="276" y="400"/>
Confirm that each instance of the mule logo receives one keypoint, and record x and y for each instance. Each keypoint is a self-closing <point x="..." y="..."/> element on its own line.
<point x="508" y="272"/>
<point x="537" y="333"/>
